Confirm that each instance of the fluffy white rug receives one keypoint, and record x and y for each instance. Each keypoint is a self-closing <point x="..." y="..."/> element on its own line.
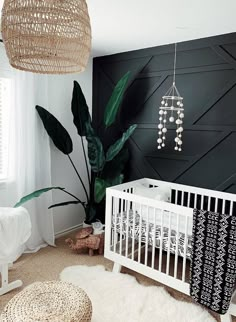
<point x="120" y="298"/>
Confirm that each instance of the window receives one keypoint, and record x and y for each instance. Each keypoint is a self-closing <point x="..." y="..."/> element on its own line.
<point x="7" y="119"/>
<point x="5" y="107"/>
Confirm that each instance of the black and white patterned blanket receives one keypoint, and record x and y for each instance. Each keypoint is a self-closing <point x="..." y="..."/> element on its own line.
<point x="133" y="225"/>
<point x="213" y="264"/>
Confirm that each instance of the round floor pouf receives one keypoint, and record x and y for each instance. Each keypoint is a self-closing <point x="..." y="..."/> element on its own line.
<point x="52" y="301"/>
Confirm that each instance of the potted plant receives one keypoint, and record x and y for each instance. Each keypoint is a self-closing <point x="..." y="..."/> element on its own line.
<point x="106" y="166"/>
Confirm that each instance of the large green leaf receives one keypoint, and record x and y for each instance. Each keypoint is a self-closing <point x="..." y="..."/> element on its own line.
<point x="99" y="189"/>
<point x="35" y="194"/>
<point x="115" y="100"/>
<point x="116" y="166"/>
<point x="115" y="181"/>
<point x="56" y="131"/>
<point x="118" y="145"/>
<point x="101" y="185"/>
<point x="95" y="150"/>
<point x="80" y="110"/>
<point x="73" y="202"/>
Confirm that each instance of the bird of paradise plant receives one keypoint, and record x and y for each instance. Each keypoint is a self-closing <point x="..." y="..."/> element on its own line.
<point x="106" y="166"/>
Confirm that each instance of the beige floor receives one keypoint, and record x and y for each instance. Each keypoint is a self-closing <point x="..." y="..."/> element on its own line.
<point x="49" y="262"/>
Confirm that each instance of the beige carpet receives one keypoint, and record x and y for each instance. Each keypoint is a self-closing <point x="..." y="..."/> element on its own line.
<point x="49" y="262"/>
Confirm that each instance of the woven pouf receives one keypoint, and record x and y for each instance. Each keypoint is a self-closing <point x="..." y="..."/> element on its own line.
<point x="53" y="301"/>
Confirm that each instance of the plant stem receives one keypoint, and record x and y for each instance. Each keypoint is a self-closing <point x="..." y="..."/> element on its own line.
<point x="67" y="192"/>
<point x="71" y="195"/>
<point x="79" y="177"/>
<point x="86" y="161"/>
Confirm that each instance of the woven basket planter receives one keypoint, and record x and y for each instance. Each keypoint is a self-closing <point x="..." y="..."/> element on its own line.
<point x="47" y="37"/>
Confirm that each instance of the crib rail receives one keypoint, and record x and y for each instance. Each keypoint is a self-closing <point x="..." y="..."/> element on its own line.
<point x="154" y="237"/>
<point x="222" y="205"/>
<point x="146" y="234"/>
<point x="189" y="196"/>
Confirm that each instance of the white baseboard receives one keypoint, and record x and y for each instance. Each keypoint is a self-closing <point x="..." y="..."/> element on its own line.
<point x="67" y="231"/>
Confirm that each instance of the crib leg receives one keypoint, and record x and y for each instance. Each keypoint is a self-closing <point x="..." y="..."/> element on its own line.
<point x="226" y="318"/>
<point x="116" y="268"/>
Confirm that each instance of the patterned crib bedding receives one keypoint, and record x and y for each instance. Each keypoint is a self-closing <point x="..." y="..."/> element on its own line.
<point x="143" y="229"/>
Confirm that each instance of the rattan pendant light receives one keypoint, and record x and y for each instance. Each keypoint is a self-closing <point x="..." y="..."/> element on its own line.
<point x="47" y="36"/>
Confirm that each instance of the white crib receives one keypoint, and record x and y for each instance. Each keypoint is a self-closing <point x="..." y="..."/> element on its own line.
<point x="153" y="237"/>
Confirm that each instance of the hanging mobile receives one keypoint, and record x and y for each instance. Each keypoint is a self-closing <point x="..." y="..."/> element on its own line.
<point x="171" y="110"/>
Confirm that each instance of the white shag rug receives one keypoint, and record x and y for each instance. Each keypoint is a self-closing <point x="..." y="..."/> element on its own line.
<point x="120" y="298"/>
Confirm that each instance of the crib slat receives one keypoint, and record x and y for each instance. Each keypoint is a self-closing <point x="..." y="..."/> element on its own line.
<point x="146" y="239"/>
<point x="195" y="200"/>
<point x="126" y="201"/>
<point x="121" y="224"/>
<point x="177" y="248"/>
<point x="188" y="200"/>
<point x="154" y="239"/>
<point x="161" y="242"/>
<point x="133" y="237"/>
<point x="115" y="212"/>
<point x="112" y="220"/>
<point x="223" y="206"/>
<point x="127" y="228"/>
<point x="231" y="208"/>
<point x="168" y="247"/>
<point x="176" y="197"/>
<point x="185" y="248"/>
<point x="182" y="198"/>
<point x="202" y="200"/>
<point x="208" y="203"/>
<point x="216" y="205"/>
<point x="140" y="233"/>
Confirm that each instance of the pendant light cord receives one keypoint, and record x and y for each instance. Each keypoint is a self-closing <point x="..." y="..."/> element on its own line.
<point x="174" y="64"/>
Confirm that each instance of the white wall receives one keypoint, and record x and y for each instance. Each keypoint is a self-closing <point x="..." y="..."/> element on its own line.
<point x="60" y="93"/>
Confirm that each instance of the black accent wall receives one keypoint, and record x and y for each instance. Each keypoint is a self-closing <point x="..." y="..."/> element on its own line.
<point x="206" y="78"/>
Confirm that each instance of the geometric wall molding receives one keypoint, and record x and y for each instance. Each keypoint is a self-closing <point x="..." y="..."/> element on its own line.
<point x="206" y="78"/>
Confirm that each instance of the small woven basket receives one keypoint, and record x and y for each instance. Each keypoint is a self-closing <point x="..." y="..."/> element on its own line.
<point x="53" y="301"/>
<point x="47" y="37"/>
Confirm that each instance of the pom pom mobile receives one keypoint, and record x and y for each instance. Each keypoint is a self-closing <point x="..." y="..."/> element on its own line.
<point x="171" y="110"/>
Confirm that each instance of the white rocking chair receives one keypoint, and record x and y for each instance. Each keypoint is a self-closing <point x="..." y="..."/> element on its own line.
<point x="6" y="286"/>
<point x="15" y="230"/>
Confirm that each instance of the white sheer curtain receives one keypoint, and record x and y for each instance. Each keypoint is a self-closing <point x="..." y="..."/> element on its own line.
<point x="29" y="162"/>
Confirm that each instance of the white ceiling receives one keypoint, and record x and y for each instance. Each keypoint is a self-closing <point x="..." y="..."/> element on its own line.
<point x="123" y="25"/>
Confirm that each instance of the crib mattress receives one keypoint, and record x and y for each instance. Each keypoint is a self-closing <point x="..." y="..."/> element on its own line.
<point x="136" y="225"/>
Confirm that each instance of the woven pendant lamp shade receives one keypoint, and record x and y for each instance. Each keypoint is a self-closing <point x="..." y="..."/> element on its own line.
<point x="47" y="36"/>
